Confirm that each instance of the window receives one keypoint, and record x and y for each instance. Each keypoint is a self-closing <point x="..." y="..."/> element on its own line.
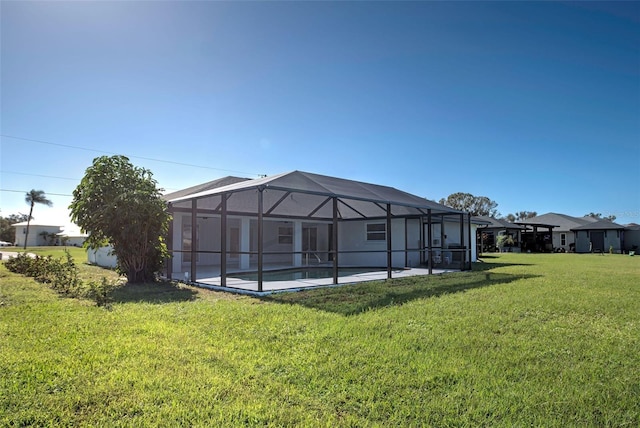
<point x="376" y="232"/>
<point x="563" y="239"/>
<point x="285" y="235"/>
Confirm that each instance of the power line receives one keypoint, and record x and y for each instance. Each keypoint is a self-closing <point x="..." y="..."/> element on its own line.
<point x="26" y="191"/>
<point x="39" y="175"/>
<point x="133" y="157"/>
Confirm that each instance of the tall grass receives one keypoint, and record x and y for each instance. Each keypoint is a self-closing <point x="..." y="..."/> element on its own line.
<point x="524" y="339"/>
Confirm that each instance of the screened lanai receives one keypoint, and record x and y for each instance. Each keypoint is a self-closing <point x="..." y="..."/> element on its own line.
<point x="300" y="229"/>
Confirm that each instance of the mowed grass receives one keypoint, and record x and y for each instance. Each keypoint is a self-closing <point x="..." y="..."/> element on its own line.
<point x="523" y="340"/>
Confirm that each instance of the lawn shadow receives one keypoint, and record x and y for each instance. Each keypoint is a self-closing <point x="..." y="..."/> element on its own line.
<point x="481" y="266"/>
<point x="154" y="292"/>
<point x="355" y="299"/>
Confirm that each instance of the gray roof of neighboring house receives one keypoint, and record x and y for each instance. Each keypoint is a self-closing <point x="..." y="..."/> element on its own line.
<point x="600" y="225"/>
<point x="562" y="222"/>
<point x="498" y="223"/>
<point x="220" y="182"/>
<point x="632" y="226"/>
<point x="305" y="194"/>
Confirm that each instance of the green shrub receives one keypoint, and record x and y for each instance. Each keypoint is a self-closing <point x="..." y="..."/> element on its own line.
<point x="20" y="263"/>
<point x="101" y="292"/>
<point x="62" y="275"/>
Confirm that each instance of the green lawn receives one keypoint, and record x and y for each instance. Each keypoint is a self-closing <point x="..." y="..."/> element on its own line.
<point x="523" y="340"/>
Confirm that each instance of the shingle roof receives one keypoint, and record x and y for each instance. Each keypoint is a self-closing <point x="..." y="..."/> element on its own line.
<point x="600" y="225"/>
<point x="562" y="222"/>
<point x="220" y="182"/>
<point x="299" y="193"/>
<point x="498" y="223"/>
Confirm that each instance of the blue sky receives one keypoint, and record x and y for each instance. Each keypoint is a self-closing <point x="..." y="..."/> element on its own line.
<point x="533" y="104"/>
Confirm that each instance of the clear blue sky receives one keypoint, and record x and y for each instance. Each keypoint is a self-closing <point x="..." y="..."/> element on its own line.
<point x="533" y="104"/>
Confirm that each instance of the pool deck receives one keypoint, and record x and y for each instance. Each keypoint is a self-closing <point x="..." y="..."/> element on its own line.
<point x="251" y="287"/>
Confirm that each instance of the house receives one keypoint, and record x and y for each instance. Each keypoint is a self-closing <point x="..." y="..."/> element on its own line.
<point x="599" y="236"/>
<point x="233" y="235"/>
<point x="39" y="233"/>
<point x="72" y="236"/>
<point x="551" y="232"/>
<point x="632" y="238"/>
<point x="492" y="228"/>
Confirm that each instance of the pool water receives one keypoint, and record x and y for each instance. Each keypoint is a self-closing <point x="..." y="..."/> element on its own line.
<point x="302" y="273"/>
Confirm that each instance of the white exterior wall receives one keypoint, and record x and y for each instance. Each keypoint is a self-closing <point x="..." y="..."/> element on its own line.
<point x="474" y="242"/>
<point x="352" y="236"/>
<point x="102" y="257"/>
<point x="74" y="241"/>
<point x="413" y="242"/>
<point x="176" y="260"/>
<point x="556" y="238"/>
<point x="452" y="237"/>
<point x="34" y="239"/>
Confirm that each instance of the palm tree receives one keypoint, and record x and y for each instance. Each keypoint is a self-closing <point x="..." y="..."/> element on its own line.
<point x="34" y="197"/>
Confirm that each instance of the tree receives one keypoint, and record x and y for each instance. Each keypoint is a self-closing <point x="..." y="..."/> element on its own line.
<point x="119" y="203"/>
<point x="520" y="215"/>
<point x="475" y="205"/>
<point x="7" y="232"/>
<point x="34" y="197"/>
<point x="599" y="216"/>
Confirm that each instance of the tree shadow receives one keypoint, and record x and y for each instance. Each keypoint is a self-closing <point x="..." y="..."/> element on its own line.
<point x="358" y="298"/>
<point x="154" y="292"/>
<point x="487" y="266"/>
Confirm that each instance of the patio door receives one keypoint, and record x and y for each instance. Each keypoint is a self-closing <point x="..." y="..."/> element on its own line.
<point x="310" y="244"/>
<point x="234" y="242"/>
<point x="597" y="241"/>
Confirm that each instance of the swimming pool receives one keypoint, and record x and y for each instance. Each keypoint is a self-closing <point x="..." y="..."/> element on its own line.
<point x="302" y="273"/>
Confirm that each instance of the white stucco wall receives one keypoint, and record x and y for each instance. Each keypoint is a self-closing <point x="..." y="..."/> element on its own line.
<point x="34" y="239"/>
<point x="102" y="257"/>
<point x="352" y="236"/>
<point x="556" y="238"/>
<point x="355" y="249"/>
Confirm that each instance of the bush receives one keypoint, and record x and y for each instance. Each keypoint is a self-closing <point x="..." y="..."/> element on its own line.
<point x="101" y="292"/>
<point x="62" y="275"/>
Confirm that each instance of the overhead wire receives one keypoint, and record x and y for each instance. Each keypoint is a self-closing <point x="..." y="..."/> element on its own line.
<point x="129" y="156"/>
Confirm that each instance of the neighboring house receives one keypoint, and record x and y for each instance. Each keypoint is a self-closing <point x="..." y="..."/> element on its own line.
<point x="49" y="233"/>
<point x="299" y="219"/>
<point x="493" y="228"/>
<point x="72" y="236"/>
<point x="632" y="237"/>
<point x="599" y="236"/>
<point x="551" y="232"/>
<point x="36" y="237"/>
